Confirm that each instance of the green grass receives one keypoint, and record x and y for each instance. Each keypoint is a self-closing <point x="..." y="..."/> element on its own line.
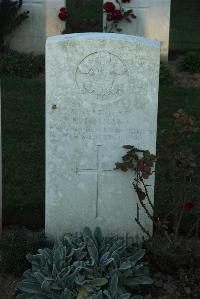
<point x="23" y="151"/>
<point x="172" y="98"/>
<point x="23" y="111"/>
<point x="185" y="25"/>
<point x="84" y="16"/>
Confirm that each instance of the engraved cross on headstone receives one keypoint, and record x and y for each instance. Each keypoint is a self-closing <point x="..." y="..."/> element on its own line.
<point x="98" y="170"/>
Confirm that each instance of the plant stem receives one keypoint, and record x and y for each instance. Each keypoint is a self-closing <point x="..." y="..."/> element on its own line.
<point x="146" y="192"/>
<point x="142" y="228"/>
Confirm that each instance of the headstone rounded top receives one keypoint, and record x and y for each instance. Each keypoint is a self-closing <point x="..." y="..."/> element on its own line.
<point x="103" y="36"/>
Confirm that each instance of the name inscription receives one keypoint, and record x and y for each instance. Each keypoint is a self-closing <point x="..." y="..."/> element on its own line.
<point x="100" y="126"/>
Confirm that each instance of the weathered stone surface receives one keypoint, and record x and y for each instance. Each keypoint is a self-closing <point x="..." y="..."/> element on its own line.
<point x="43" y="21"/>
<point x="101" y="93"/>
<point x="153" y="21"/>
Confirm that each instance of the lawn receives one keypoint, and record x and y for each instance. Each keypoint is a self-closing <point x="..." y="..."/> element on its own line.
<point x="185" y="24"/>
<point x="23" y="151"/>
<point x="23" y="111"/>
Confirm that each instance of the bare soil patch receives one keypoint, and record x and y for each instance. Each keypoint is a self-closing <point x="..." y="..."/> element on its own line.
<point x="7" y="286"/>
<point x="184" y="79"/>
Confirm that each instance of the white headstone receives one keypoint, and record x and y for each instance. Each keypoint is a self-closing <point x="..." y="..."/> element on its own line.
<point x="42" y="22"/>
<point x="101" y="93"/>
<point x="152" y="21"/>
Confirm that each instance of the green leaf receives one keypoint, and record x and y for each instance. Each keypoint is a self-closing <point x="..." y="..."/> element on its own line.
<point x="29" y="288"/>
<point x="138" y="255"/>
<point x="46" y="286"/>
<point x="84" y="292"/>
<point x="93" y="251"/>
<point x="124" y="296"/>
<point x="114" y="285"/>
<point x="66" y="294"/>
<point x="99" y="295"/>
<point x="125" y="265"/>
<point x="134" y="281"/>
<point x="39" y="277"/>
<point x="107" y="294"/>
<point x="98" y="236"/>
<point x="87" y="234"/>
<point x="100" y="281"/>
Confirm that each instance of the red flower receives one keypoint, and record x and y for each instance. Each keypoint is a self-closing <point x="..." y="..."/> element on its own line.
<point x="109" y="6"/>
<point x="63" y="14"/>
<point x="188" y="206"/>
<point x="117" y="15"/>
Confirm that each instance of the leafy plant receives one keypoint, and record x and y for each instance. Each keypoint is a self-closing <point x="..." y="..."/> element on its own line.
<point x="10" y="17"/>
<point x="176" y="178"/>
<point x="190" y="62"/>
<point x="141" y="162"/>
<point x="24" y="65"/>
<point x="85" y="265"/>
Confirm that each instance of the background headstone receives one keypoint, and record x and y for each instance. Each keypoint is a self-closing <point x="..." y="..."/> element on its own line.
<point x="101" y="93"/>
<point x="152" y="21"/>
<point x="42" y="22"/>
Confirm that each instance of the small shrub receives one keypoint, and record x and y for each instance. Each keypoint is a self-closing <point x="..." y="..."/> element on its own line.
<point x="85" y="265"/>
<point x="190" y="62"/>
<point x="14" y="245"/>
<point x="165" y="74"/>
<point x="23" y="65"/>
<point x="10" y="17"/>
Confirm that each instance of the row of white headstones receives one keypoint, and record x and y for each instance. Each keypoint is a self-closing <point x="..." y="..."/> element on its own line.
<point x="152" y="21"/>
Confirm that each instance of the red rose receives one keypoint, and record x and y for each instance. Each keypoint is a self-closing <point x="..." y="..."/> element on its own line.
<point x="109" y="6"/>
<point x="188" y="206"/>
<point x="62" y="16"/>
<point x="117" y="15"/>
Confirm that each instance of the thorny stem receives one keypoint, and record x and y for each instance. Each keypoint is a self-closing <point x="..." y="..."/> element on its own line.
<point x="177" y="227"/>
<point x="146" y="192"/>
<point x="145" y="208"/>
<point x="142" y="228"/>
